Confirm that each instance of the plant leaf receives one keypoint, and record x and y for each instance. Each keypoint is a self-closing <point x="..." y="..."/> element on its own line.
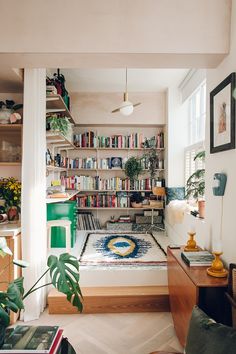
<point x="4" y="317"/>
<point x="64" y="272"/>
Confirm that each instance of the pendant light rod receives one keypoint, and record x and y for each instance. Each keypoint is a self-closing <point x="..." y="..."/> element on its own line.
<point x="126" y="98"/>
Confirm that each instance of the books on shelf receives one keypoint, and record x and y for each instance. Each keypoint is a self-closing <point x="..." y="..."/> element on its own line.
<point x="132" y="141"/>
<point x="201" y="258"/>
<point x="104" y="200"/>
<point x="96" y="183"/>
<point x="87" y="221"/>
<point x="32" y="339"/>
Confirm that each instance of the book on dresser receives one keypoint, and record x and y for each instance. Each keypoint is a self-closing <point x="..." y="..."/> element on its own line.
<point x="32" y="339"/>
<point x="196" y="259"/>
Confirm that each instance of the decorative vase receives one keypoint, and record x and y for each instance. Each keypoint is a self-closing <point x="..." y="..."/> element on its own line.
<point x="13" y="214"/>
<point x="5" y="114"/>
<point x="201" y="209"/>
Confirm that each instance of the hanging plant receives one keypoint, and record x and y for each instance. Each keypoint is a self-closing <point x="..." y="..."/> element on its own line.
<point x="152" y="159"/>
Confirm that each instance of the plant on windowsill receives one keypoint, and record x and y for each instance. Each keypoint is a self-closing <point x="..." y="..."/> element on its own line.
<point x="195" y="186"/>
<point x="64" y="274"/>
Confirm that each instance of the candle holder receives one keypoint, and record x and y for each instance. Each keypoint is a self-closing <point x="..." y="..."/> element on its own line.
<point x="217" y="268"/>
<point x="191" y="244"/>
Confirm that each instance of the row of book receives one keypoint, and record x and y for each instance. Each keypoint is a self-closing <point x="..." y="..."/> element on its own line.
<point x="32" y="339"/>
<point x="87" y="221"/>
<point x="104" y="200"/>
<point x="97" y="183"/>
<point x="98" y="163"/>
<point x="135" y="140"/>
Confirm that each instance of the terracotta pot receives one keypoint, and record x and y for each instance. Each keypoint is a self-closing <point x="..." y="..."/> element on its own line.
<point x="13" y="214"/>
<point x="201" y="208"/>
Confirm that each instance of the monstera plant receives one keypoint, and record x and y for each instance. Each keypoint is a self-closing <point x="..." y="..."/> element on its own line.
<point x="64" y="274"/>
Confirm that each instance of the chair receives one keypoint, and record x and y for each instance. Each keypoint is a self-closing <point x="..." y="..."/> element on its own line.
<point x="155" y="205"/>
<point x="205" y="336"/>
<point x="60" y="223"/>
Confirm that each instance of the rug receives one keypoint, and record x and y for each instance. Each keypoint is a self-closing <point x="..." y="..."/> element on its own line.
<point x="121" y="249"/>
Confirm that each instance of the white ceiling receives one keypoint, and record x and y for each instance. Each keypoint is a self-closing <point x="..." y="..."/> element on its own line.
<point x="113" y="80"/>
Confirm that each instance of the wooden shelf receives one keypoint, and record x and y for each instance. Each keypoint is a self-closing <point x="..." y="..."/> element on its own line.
<point x="125" y="149"/>
<point x="10" y="163"/>
<point x="56" y="169"/>
<point x="57" y="200"/>
<point x="114" y="190"/>
<point x="56" y="138"/>
<point x="107" y="169"/>
<point x="122" y="125"/>
<point x="11" y="127"/>
<point x="117" y="208"/>
<point x="56" y="104"/>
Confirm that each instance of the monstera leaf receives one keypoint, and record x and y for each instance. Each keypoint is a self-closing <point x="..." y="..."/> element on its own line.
<point x="64" y="272"/>
<point x="11" y="300"/>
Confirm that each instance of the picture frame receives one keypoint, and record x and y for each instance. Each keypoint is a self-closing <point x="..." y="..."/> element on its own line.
<point x="222" y="116"/>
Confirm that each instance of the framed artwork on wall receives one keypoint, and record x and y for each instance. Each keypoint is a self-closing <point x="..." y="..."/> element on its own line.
<point x="222" y="115"/>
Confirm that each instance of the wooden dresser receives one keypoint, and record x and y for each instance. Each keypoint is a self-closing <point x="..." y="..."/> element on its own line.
<point x="189" y="286"/>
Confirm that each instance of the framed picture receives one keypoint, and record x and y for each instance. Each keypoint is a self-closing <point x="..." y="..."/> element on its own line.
<point x="222" y="116"/>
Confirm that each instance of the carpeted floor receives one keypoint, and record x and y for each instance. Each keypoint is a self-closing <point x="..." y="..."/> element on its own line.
<point x="109" y="249"/>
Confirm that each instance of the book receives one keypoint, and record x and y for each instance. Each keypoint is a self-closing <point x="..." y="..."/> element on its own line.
<point x="201" y="258"/>
<point x="31" y="339"/>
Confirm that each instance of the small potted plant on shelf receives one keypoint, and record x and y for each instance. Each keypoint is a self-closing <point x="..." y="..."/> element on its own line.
<point x="8" y="112"/>
<point x="64" y="275"/>
<point x="152" y="160"/>
<point x="195" y="186"/>
<point x="133" y="169"/>
<point x="57" y="123"/>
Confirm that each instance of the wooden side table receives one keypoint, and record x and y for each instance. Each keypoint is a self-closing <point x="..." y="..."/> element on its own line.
<point x="189" y="286"/>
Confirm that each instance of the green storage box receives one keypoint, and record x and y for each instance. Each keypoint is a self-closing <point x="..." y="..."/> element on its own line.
<point x="65" y="211"/>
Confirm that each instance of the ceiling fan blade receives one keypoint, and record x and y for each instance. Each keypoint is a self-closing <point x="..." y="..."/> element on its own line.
<point x="136" y="104"/>
<point x="115" y="110"/>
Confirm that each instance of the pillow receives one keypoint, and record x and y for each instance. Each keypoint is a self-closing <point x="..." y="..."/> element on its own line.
<point x="205" y="336"/>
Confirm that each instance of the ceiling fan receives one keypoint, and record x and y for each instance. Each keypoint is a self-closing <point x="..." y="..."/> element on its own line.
<point x="126" y="108"/>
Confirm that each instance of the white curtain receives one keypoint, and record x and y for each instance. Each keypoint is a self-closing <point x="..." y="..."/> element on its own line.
<point x="33" y="214"/>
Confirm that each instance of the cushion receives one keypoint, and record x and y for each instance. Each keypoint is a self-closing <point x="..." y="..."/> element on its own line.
<point x="205" y="336"/>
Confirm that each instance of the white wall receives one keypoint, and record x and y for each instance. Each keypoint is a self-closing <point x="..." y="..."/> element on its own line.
<point x="222" y="162"/>
<point x="114" y="33"/>
<point x="95" y="108"/>
<point x="177" y="135"/>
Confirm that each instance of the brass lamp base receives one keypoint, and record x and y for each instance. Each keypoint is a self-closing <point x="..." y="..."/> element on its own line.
<point x="217" y="269"/>
<point x="191" y="244"/>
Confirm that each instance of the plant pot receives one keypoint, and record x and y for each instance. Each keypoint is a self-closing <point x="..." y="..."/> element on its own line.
<point x="5" y="114"/>
<point x="13" y="214"/>
<point x="201" y="209"/>
<point x="136" y="205"/>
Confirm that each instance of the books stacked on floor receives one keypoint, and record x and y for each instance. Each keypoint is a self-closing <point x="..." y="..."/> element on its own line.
<point x="32" y="339"/>
<point x="87" y="221"/>
<point x="196" y="259"/>
<point x="104" y="200"/>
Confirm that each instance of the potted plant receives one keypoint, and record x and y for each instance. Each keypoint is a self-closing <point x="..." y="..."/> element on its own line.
<point x="10" y="191"/>
<point x="195" y="185"/>
<point x="152" y="161"/>
<point x="7" y="112"/>
<point x="64" y="274"/>
<point x="133" y="169"/>
<point x="56" y="123"/>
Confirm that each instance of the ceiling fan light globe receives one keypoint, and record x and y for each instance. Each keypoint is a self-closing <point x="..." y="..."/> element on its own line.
<point x="127" y="108"/>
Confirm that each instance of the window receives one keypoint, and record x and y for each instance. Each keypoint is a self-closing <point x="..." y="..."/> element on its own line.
<point x="197" y="117"/>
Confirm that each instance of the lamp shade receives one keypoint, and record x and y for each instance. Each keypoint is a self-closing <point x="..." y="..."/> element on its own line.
<point x="126" y="108"/>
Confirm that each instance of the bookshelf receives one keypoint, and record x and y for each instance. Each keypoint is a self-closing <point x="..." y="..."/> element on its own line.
<point x="74" y="162"/>
<point x="56" y="104"/>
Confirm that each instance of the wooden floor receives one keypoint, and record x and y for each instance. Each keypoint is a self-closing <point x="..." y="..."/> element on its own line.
<point x="113" y="300"/>
<point x="136" y="333"/>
